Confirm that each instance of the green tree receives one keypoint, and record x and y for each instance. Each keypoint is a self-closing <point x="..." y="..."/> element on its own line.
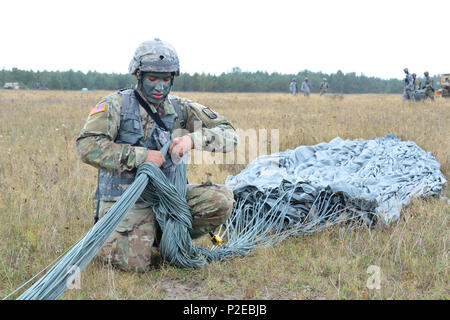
<point x="236" y="80"/>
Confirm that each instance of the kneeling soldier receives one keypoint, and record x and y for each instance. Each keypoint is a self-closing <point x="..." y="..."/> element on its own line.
<point x="128" y="128"/>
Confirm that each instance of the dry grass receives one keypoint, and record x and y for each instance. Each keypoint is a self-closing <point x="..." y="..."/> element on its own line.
<point x="46" y="203"/>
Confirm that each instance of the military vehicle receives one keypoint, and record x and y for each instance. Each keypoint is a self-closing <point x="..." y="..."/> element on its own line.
<point x="11" y="85"/>
<point x="444" y="91"/>
<point x="445" y="86"/>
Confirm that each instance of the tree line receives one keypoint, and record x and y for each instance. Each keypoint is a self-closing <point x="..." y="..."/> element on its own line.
<point x="234" y="81"/>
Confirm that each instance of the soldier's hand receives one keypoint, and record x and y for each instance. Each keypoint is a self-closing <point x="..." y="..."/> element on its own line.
<point x="155" y="157"/>
<point x="179" y="146"/>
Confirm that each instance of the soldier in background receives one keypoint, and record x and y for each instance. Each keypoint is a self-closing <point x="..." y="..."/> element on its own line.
<point x="408" y="92"/>
<point x="129" y="127"/>
<point x="306" y="89"/>
<point x="323" y="86"/>
<point x="293" y="87"/>
<point x="428" y="86"/>
<point x="417" y="82"/>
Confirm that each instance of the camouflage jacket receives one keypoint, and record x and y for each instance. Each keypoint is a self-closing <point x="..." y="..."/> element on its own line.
<point x="293" y="86"/>
<point x="95" y="145"/>
<point x="305" y="87"/>
<point x="428" y="83"/>
<point x="409" y="82"/>
<point x="417" y="84"/>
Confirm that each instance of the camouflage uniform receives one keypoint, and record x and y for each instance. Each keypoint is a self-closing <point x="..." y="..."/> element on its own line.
<point x="293" y="87"/>
<point x="323" y="87"/>
<point x="429" y="92"/>
<point x="417" y="82"/>
<point x="306" y="88"/>
<point x="408" y="92"/>
<point x="129" y="247"/>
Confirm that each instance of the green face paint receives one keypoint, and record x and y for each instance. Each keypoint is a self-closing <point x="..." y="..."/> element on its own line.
<point x="156" y="91"/>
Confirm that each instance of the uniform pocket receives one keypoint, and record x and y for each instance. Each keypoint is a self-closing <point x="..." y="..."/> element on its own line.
<point x="134" y="218"/>
<point x="125" y="226"/>
<point x="131" y="125"/>
<point x="130" y="130"/>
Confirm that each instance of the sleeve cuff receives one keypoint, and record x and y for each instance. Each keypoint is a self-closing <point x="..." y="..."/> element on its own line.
<point x="197" y="138"/>
<point x="141" y="155"/>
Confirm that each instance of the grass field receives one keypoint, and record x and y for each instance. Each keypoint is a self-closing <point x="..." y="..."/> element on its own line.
<point x="46" y="203"/>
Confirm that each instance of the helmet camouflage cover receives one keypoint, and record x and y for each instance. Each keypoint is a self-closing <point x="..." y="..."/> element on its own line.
<point x="155" y="56"/>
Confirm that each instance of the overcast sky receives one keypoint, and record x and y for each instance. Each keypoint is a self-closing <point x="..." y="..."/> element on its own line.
<point x="378" y="38"/>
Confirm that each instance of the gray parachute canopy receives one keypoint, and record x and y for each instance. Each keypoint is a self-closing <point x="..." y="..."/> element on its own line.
<point x="380" y="175"/>
<point x="294" y="192"/>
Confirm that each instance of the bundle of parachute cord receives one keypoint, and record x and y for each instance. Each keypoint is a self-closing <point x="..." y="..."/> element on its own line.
<point x="296" y="192"/>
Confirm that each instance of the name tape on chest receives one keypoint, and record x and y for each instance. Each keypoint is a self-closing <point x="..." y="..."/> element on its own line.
<point x="98" y="108"/>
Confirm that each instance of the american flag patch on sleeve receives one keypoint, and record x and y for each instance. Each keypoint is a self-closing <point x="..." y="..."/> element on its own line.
<point x="98" y="108"/>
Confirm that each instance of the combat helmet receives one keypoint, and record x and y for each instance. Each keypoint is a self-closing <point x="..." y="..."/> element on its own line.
<point x="155" y="55"/>
<point x="426" y="73"/>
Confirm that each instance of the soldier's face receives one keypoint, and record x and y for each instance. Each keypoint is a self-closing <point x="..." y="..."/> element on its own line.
<point x="156" y="86"/>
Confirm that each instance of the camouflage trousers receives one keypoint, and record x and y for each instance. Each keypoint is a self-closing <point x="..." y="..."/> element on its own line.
<point x="323" y="91"/>
<point x="129" y="248"/>
<point x="408" y="95"/>
<point x="428" y="93"/>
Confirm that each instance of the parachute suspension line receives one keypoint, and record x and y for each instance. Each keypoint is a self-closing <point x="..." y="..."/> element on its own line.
<point x="253" y="223"/>
<point x="265" y="213"/>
